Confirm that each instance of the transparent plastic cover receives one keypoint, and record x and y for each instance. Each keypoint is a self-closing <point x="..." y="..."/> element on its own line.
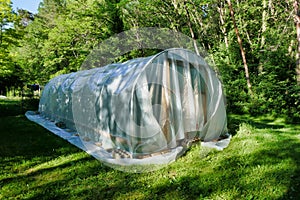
<point x="145" y="111"/>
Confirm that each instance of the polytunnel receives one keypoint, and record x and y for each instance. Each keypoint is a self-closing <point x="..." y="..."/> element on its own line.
<point x="143" y="112"/>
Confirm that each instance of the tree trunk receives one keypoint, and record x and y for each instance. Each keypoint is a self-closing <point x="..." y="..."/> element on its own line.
<point x="0" y="34"/>
<point x="222" y="22"/>
<point x="191" y="30"/>
<point x="271" y="8"/>
<point x="263" y="24"/>
<point x="241" y="48"/>
<point x="263" y="30"/>
<point x="297" y="22"/>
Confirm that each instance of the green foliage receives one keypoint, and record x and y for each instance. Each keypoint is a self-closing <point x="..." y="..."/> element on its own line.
<point x="56" y="40"/>
<point x="270" y="52"/>
<point x="10" y="72"/>
<point x="62" y="35"/>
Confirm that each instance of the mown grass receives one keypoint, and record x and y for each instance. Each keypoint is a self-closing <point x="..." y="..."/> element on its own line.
<point x="262" y="162"/>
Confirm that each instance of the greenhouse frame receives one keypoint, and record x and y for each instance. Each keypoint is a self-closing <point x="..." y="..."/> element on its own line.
<point x="145" y="111"/>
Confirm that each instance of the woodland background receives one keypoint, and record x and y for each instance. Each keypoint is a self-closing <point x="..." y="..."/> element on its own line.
<point x="254" y="44"/>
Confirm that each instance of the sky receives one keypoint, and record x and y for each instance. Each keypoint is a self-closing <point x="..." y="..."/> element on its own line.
<point x="30" y="5"/>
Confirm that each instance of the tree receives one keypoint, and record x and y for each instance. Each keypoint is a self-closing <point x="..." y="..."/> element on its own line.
<point x="246" y="38"/>
<point x="241" y="48"/>
<point x="196" y="19"/>
<point x="222" y="13"/>
<point x="8" y="39"/>
<point x="297" y="22"/>
<point x="63" y="33"/>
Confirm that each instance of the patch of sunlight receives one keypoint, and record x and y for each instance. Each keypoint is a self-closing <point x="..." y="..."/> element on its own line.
<point x="56" y="162"/>
<point x="277" y="121"/>
<point x="204" y="151"/>
<point x="47" y="178"/>
<point x="245" y="146"/>
<point x="24" y="163"/>
<point x="273" y="177"/>
<point x="288" y="130"/>
<point x="265" y="137"/>
<point x="226" y="193"/>
<point x="132" y="195"/>
<point x="245" y="130"/>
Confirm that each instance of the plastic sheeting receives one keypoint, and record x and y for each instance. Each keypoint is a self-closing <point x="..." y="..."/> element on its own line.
<point x="145" y="111"/>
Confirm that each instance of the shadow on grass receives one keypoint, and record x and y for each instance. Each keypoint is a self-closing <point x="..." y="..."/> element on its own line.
<point x="257" y="174"/>
<point x="13" y="107"/>
<point x="36" y="164"/>
<point x="235" y="121"/>
<point x="261" y="173"/>
<point x="29" y="152"/>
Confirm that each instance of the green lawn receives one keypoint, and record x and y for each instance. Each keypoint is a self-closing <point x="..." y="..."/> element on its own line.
<point x="261" y="162"/>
